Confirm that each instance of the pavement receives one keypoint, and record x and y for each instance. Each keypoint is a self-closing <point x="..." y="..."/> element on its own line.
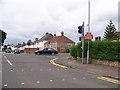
<point x="101" y="70"/>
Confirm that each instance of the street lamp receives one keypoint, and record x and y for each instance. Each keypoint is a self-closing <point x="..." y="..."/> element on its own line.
<point x="88" y="51"/>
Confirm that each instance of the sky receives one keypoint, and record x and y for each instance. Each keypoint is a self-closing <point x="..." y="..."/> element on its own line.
<point x="29" y="19"/>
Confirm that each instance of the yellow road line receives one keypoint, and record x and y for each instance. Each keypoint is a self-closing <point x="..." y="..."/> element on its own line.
<point x="53" y="62"/>
<point x="109" y="80"/>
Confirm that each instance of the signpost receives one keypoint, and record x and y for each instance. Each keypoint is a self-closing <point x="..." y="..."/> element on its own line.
<point x="89" y="36"/>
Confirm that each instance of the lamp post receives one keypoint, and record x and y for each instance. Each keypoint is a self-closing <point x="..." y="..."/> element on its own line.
<point x="88" y="51"/>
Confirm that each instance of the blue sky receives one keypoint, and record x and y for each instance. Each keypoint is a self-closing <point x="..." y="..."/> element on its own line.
<point x="30" y="19"/>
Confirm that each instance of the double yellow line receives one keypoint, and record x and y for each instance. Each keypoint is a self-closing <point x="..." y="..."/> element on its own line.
<point x="109" y="80"/>
<point x="53" y="62"/>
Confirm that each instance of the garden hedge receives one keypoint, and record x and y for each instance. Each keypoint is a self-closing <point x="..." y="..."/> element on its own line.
<point x="104" y="50"/>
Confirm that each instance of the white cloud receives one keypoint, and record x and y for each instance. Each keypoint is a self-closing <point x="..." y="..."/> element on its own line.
<point x="27" y="19"/>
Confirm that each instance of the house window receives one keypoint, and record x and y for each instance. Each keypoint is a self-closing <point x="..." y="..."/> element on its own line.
<point x="69" y="44"/>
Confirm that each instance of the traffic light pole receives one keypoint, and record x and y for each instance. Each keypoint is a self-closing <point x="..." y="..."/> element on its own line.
<point x="83" y="43"/>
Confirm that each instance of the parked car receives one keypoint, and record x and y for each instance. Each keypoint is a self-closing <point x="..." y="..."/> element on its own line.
<point x="17" y="51"/>
<point x="8" y="50"/>
<point x="46" y="51"/>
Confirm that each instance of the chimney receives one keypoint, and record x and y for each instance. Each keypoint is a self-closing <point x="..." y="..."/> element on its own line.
<point x="62" y="33"/>
<point x="36" y="39"/>
<point x="46" y="33"/>
<point x="54" y="35"/>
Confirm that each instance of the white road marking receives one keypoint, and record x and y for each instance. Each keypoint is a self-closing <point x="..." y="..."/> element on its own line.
<point x="50" y="69"/>
<point x="84" y="78"/>
<point x="22" y="83"/>
<point x="5" y="85"/>
<point x="38" y="81"/>
<point x="51" y="80"/>
<point x="11" y="70"/>
<point x="58" y="69"/>
<point x="22" y="70"/>
<point x="41" y="69"/>
<point x="5" y="57"/>
<point x="74" y="78"/>
<point x="63" y="79"/>
<point x="9" y="62"/>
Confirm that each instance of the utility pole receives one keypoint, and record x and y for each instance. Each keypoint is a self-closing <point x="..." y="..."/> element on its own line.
<point x="88" y="53"/>
<point x="83" y="43"/>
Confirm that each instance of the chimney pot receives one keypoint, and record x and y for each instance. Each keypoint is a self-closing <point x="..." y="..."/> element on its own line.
<point x="62" y="33"/>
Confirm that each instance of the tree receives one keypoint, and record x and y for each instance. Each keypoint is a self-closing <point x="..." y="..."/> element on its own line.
<point x="2" y="37"/>
<point x="110" y="31"/>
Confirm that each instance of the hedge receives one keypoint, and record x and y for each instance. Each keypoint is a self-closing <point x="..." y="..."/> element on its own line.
<point x="104" y="50"/>
<point x="73" y="51"/>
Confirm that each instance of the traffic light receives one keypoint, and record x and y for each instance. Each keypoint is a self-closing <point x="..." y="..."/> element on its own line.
<point x="98" y="38"/>
<point x="80" y="29"/>
<point x="80" y="38"/>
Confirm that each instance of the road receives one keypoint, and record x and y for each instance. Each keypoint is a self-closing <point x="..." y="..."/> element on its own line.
<point x="36" y="71"/>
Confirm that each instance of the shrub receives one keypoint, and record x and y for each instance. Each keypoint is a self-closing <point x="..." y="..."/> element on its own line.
<point x="73" y="51"/>
<point x="104" y="50"/>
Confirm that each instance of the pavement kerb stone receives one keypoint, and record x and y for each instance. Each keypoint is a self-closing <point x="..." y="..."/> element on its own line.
<point x="91" y="68"/>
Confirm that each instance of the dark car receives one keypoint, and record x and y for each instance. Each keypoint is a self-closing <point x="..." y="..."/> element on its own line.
<point x="8" y="50"/>
<point x="17" y="51"/>
<point x="46" y="51"/>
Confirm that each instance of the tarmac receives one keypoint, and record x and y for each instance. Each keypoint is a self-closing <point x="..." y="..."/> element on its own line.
<point x="101" y="70"/>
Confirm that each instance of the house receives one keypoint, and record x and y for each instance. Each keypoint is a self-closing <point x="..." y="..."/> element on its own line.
<point x="117" y="35"/>
<point x="38" y="43"/>
<point x="60" y="43"/>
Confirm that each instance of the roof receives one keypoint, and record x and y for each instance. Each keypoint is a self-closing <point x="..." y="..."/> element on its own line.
<point x="46" y="37"/>
<point x="118" y="34"/>
<point x="60" y="39"/>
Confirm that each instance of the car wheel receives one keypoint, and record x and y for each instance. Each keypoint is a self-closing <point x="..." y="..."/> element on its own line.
<point x="39" y="53"/>
<point x="52" y="53"/>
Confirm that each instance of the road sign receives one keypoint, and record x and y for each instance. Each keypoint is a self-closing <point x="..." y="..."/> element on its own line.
<point x="89" y="36"/>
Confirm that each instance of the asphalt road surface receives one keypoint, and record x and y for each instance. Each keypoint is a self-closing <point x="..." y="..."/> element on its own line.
<point x="36" y="71"/>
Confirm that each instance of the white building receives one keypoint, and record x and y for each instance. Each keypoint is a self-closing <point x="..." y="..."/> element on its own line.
<point x="40" y="43"/>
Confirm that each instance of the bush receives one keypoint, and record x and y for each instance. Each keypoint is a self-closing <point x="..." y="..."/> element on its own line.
<point x="79" y="50"/>
<point x="73" y="51"/>
<point x="104" y="50"/>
